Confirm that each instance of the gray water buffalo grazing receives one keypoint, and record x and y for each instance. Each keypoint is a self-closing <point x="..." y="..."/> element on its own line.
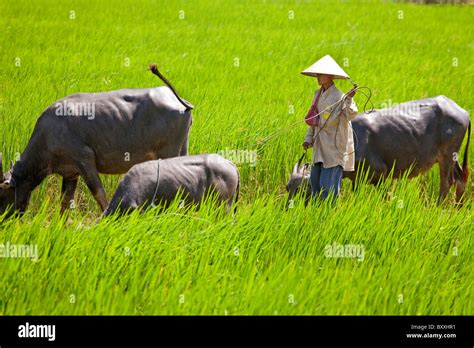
<point x="90" y="133"/>
<point x="419" y="133"/>
<point x="415" y="134"/>
<point x="162" y="180"/>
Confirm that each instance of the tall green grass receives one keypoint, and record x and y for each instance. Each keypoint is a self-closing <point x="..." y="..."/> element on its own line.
<point x="239" y="64"/>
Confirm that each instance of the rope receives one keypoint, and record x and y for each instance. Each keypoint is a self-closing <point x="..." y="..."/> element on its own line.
<point x="153" y="205"/>
<point x="285" y="129"/>
<point x="350" y="124"/>
<point x="302" y="156"/>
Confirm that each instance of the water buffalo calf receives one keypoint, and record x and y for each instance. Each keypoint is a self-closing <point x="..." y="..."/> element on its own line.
<point x="160" y="182"/>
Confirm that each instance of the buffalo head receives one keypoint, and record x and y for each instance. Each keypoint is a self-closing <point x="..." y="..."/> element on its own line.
<point x="7" y="191"/>
<point x="14" y="191"/>
<point x="299" y="180"/>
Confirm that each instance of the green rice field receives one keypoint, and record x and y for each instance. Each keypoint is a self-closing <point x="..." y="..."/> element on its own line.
<point x="239" y="64"/>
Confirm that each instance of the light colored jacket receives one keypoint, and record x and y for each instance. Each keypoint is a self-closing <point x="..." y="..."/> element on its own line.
<point x="332" y="139"/>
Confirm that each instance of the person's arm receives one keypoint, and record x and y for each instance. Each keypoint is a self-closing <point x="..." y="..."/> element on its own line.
<point x="350" y="108"/>
<point x="308" y="139"/>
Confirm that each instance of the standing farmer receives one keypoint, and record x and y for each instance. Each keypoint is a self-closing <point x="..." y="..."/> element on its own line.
<point x="330" y="130"/>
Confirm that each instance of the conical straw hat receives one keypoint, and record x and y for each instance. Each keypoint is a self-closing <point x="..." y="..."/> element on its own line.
<point x="326" y="65"/>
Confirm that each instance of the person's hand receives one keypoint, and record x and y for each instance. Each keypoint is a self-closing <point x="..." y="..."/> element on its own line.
<point x="306" y="145"/>
<point x="352" y="92"/>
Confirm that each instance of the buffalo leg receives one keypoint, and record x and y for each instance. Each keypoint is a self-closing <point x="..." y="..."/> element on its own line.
<point x="354" y="185"/>
<point x="67" y="190"/>
<point x="378" y="173"/>
<point x="460" y="184"/>
<point x="91" y="177"/>
<point x="184" y="147"/>
<point x="446" y="178"/>
<point x="95" y="186"/>
<point x="460" y="189"/>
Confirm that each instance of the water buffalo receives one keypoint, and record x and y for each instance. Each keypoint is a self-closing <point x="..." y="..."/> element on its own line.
<point x="90" y="133"/>
<point x="418" y="133"/>
<point x="160" y="182"/>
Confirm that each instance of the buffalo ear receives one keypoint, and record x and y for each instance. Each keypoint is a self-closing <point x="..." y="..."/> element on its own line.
<point x="6" y="184"/>
<point x="305" y="167"/>
<point x="296" y="168"/>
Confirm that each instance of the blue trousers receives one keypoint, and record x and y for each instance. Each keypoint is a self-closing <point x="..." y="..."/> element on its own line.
<point x="325" y="180"/>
